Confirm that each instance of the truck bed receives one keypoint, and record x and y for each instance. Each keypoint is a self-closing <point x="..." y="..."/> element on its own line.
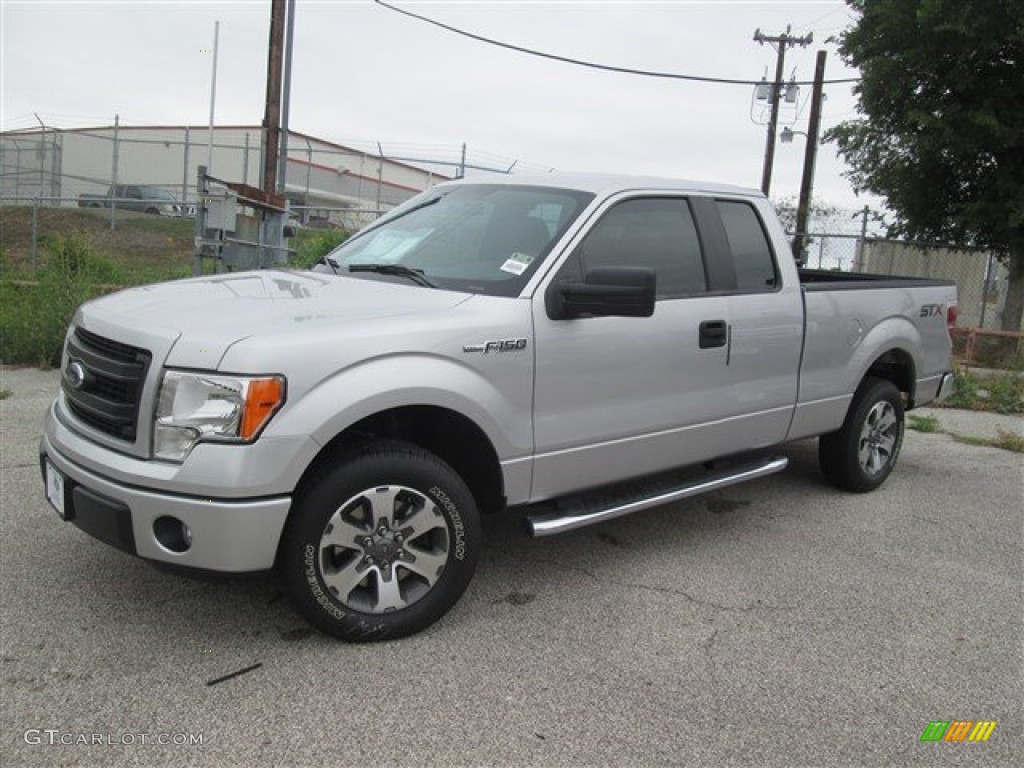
<point x="828" y="280"/>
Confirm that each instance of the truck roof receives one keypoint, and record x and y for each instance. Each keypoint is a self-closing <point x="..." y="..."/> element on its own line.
<point x="608" y="183"/>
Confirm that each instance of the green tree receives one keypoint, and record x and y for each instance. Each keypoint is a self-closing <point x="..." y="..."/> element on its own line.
<point x="942" y="132"/>
<point x="821" y="214"/>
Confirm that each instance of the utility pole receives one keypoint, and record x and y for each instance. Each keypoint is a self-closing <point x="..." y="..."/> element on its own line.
<point x="803" y="209"/>
<point x="272" y="115"/>
<point x="781" y="41"/>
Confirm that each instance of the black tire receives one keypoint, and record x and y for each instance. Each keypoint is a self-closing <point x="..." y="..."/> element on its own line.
<point x="861" y="454"/>
<point x="381" y="543"/>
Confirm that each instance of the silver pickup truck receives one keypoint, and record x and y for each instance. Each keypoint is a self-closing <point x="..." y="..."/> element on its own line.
<point x="578" y="348"/>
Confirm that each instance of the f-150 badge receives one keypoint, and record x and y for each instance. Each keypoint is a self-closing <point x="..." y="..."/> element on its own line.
<point x="498" y="345"/>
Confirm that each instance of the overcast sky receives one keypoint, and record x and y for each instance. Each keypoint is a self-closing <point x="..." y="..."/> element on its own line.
<point x="362" y="73"/>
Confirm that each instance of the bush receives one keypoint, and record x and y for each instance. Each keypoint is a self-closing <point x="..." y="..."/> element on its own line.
<point x="72" y="258"/>
<point x="1003" y="393"/>
<point x="312" y="245"/>
<point x="34" y="316"/>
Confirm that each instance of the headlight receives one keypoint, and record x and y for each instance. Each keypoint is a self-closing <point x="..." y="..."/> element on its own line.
<point x="197" y="406"/>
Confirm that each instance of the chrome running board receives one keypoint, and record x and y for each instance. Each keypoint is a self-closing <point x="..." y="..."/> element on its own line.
<point x="583" y="513"/>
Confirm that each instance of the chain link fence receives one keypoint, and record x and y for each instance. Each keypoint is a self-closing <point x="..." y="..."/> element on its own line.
<point x="981" y="278"/>
<point x="982" y="282"/>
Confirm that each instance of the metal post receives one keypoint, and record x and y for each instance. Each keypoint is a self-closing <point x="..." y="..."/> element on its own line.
<point x="202" y="197"/>
<point x="289" y="30"/>
<point x="184" y="174"/>
<point x="380" y="174"/>
<point x="213" y="96"/>
<point x="462" y="163"/>
<point x="56" y="167"/>
<point x="309" y="170"/>
<point x="862" y="241"/>
<point x="245" y="160"/>
<point x="35" y="232"/>
<point x="42" y="155"/>
<point x="362" y="173"/>
<point x="113" y="173"/>
<point x="821" y="250"/>
<point x="984" y="290"/>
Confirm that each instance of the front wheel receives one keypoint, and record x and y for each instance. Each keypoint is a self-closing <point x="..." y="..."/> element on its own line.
<point x="862" y="453"/>
<point x="381" y="544"/>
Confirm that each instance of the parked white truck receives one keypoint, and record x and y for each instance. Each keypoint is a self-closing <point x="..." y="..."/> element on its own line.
<point x="562" y="345"/>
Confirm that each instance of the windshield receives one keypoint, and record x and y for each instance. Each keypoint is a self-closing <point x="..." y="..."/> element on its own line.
<point x="479" y="238"/>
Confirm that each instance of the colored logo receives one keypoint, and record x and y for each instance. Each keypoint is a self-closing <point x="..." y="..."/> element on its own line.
<point x="958" y="730"/>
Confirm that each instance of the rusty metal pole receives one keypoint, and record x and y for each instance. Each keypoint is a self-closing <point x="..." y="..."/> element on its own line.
<point x="272" y="115"/>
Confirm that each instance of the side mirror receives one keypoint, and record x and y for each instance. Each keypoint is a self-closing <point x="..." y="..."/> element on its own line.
<point x="604" y="292"/>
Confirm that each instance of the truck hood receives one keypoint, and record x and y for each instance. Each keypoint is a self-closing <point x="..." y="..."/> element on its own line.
<point x="203" y="317"/>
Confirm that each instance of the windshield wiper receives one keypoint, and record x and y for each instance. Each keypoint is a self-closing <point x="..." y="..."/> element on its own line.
<point x="416" y="275"/>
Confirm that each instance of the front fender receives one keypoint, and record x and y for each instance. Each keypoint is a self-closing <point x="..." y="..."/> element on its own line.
<point x="502" y="411"/>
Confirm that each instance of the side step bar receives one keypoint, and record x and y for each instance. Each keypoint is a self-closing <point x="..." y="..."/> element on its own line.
<point x="587" y="514"/>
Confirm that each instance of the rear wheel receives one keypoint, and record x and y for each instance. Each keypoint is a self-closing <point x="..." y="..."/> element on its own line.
<point x="381" y="544"/>
<point x="862" y="453"/>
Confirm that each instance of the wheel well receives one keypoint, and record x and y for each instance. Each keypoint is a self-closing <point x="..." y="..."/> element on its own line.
<point x="898" y="367"/>
<point x="449" y="435"/>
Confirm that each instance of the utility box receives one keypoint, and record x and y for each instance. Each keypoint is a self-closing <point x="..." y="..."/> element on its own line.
<point x="238" y="227"/>
<point x="221" y="209"/>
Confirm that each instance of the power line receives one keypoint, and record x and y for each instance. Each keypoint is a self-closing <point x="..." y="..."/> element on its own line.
<point x="590" y="64"/>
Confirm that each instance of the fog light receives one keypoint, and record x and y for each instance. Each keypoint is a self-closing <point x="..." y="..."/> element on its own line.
<point x="172" y="534"/>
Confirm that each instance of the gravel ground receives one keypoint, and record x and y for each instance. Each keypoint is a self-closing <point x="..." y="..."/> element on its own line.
<point x="779" y="623"/>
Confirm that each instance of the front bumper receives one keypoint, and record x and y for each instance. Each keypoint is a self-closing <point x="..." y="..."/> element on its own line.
<point x="226" y="535"/>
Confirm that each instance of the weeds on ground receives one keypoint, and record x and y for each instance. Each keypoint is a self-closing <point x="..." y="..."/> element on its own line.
<point x="34" y="316"/>
<point x="5" y="393"/>
<point x="312" y="245"/>
<point x="1002" y="393"/>
<point x="1005" y="438"/>
<point x="922" y="423"/>
<point x="1008" y="441"/>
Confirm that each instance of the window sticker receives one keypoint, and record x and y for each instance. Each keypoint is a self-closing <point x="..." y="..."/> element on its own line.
<point x="517" y="264"/>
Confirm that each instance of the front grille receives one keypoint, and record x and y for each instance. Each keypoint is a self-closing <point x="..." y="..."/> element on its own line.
<point x="107" y="396"/>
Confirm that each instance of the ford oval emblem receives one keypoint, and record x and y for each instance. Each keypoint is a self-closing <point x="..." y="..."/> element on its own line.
<point x="76" y="374"/>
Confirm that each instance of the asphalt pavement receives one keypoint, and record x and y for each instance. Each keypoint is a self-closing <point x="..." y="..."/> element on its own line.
<point x="777" y="623"/>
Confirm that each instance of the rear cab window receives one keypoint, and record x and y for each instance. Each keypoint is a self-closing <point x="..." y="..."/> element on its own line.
<point x="752" y="253"/>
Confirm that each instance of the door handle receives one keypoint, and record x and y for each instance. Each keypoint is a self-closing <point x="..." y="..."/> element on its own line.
<point x="713" y="333"/>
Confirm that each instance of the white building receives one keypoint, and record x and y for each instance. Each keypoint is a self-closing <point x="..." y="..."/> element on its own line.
<point x="323" y="179"/>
